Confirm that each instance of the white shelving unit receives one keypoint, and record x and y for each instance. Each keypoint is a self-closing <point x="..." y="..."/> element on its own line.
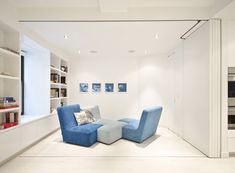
<point x="10" y="69"/>
<point x="59" y="74"/>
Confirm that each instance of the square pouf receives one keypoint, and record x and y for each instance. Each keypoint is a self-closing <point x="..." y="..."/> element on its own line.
<point x="109" y="133"/>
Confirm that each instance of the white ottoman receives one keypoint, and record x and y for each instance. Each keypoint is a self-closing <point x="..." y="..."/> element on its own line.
<point x="109" y="133"/>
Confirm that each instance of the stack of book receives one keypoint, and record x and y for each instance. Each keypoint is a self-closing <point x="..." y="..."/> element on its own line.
<point x="7" y="102"/>
<point x="10" y="119"/>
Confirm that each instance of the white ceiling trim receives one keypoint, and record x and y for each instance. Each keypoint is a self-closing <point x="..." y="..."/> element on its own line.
<point x="113" y="6"/>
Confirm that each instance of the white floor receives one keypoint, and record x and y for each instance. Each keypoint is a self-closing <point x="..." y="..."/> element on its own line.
<point x="164" y="152"/>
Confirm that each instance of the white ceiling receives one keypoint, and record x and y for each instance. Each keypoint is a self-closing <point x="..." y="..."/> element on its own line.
<point x="112" y="38"/>
<point x="134" y="3"/>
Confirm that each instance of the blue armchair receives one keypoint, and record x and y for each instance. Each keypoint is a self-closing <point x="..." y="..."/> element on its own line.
<point x="85" y="135"/>
<point x="140" y="130"/>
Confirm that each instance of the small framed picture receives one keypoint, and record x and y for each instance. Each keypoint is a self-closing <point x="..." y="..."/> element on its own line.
<point x="83" y="87"/>
<point x="96" y="87"/>
<point x="109" y="87"/>
<point x="122" y="87"/>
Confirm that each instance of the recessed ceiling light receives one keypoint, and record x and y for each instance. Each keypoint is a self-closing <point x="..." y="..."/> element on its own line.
<point x="131" y="51"/>
<point x="93" y="51"/>
<point x="156" y="36"/>
<point x="66" y="36"/>
<point x="79" y="52"/>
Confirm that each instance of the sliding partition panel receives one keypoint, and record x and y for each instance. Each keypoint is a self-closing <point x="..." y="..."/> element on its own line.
<point x="201" y="89"/>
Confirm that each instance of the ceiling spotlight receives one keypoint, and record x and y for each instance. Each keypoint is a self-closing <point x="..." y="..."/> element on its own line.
<point x="93" y="51"/>
<point x="131" y="51"/>
<point x="66" y="36"/>
<point x="156" y="36"/>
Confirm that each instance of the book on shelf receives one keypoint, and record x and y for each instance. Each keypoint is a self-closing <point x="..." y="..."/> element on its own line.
<point x="54" y="92"/>
<point x="8" y="102"/>
<point x="10" y="119"/>
<point x="55" y="78"/>
<point x="63" y="80"/>
<point x="63" y="92"/>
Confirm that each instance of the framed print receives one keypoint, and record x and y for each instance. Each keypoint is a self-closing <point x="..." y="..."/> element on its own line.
<point x="83" y="87"/>
<point x="122" y="87"/>
<point x="96" y="87"/>
<point x="109" y="87"/>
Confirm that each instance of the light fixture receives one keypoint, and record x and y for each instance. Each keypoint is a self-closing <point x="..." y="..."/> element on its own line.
<point x="131" y="51"/>
<point x="156" y="36"/>
<point x="66" y="36"/>
<point x="79" y="52"/>
<point x="93" y="51"/>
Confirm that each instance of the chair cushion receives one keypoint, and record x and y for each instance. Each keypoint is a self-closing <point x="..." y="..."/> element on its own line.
<point x="109" y="133"/>
<point x="130" y="123"/>
<point x="109" y="122"/>
<point x="85" y="135"/>
<point x="83" y="117"/>
<point x="94" y="110"/>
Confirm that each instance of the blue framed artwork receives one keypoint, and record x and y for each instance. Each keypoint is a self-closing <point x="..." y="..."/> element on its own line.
<point x="122" y="87"/>
<point x="109" y="87"/>
<point x="83" y="87"/>
<point x="96" y="87"/>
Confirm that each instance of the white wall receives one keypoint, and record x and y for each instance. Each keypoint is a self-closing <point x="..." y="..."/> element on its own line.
<point x="229" y="37"/>
<point x="149" y="82"/>
<point x="196" y="89"/>
<point x="154" y="85"/>
<point x="37" y="85"/>
<point x="101" y="70"/>
<point x="175" y="83"/>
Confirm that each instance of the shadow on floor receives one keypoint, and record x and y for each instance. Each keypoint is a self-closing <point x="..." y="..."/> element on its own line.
<point x="148" y="141"/>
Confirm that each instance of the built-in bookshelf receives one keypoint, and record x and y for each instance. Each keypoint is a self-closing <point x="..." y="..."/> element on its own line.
<point x="9" y="77"/>
<point x="58" y="79"/>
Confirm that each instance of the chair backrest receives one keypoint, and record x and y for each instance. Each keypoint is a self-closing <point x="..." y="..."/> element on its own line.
<point x="149" y="121"/>
<point x="66" y="116"/>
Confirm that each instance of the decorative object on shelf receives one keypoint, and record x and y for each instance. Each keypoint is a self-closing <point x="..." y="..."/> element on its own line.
<point x="83" y="87"/>
<point x="61" y="103"/>
<point x="8" y="102"/>
<point x="64" y="68"/>
<point x="52" y="110"/>
<point x="122" y="87"/>
<point x="63" y="92"/>
<point x="63" y="79"/>
<point x="55" y="78"/>
<point x="109" y="87"/>
<point x="54" y="92"/>
<point x="96" y="87"/>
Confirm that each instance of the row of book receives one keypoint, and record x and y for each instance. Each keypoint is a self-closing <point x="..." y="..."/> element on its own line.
<point x="55" y="92"/>
<point x="7" y="102"/>
<point x="9" y="119"/>
<point x="56" y="78"/>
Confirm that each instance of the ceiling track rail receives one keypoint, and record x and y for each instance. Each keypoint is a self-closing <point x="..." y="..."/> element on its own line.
<point x="98" y="21"/>
<point x="192" y="29"/>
